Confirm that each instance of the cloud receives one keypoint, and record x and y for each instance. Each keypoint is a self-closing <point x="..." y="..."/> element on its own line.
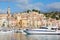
<point x="35" y="6"/>
<point x="3" y="11"/>
<point x="5" y="0"/>
<point x="30" y="6"/>
<point x="39" y="6"/>
<point x="19" y="1"/>
<point x="55" y="5"/>
<point x="25" y="5"/>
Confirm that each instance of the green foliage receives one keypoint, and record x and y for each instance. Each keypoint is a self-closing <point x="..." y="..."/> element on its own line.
<point x="28" y="11"/>
<point x="53" y="14"/>
<point x="36" y="10"/>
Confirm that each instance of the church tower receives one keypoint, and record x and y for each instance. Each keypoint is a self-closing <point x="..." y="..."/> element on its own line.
<point x="8" y="12"/>
<point x="8" y="15"/>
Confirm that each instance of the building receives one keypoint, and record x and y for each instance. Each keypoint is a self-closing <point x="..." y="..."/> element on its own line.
<point x="30" y="20"/>
<point x="27" y="20"/>
<point x="7" y="17"/>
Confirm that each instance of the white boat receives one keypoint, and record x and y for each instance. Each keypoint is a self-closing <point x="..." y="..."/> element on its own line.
<point x="6" y="31"/>
<point x="42" y="32"/>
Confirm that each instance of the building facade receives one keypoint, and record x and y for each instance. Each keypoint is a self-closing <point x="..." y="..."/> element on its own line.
<point x="30" y="20"/>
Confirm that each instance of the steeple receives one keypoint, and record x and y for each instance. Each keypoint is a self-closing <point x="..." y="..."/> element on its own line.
<point x="8" y="11"/>
<point x="8" y="15"/>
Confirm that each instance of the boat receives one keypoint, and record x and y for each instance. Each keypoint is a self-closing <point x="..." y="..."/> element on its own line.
<point x="6" y="32"/>
<point x="2" y="32"/>
<point x="42" y="31"/>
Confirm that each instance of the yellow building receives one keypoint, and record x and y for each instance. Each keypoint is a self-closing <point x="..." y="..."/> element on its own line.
<point x="1" y="22"/>
<point x="29" y="20"/>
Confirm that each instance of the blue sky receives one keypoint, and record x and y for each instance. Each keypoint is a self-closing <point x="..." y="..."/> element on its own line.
<point x="23" y="5"/>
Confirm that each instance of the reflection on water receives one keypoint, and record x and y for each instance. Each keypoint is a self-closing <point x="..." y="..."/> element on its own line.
<point x="19" y="36"/>
<point x="5" y="36"/>
<point x="43" y="37"/>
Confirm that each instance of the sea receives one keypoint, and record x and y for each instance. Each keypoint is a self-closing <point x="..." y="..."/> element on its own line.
<point x="20" y="36"/>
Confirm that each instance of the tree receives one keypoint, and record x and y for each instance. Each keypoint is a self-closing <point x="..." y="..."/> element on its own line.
<point x="28" y="11"/>
<point x="36" y="10"/>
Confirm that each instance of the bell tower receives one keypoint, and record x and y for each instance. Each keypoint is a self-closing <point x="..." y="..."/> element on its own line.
<point x="8" y="11"/>
<point x="8" y="15"/>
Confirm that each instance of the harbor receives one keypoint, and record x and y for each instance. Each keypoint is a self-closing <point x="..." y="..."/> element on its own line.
<point x="29" y="20"/>
<point x="29" y="27"/>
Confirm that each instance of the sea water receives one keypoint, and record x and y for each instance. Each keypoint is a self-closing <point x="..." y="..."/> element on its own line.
<point x="19" y="36"/>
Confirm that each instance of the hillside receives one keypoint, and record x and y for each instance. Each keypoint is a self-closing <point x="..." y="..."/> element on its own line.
<point x="55" y="15"/>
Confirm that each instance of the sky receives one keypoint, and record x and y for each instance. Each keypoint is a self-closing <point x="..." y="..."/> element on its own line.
<point x="23" y="5"/>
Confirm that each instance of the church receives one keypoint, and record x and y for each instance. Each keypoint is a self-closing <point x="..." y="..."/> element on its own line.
<point x="7" y="17"/>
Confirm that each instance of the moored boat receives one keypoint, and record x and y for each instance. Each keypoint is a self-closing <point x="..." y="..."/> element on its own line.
<point x="42" y="32"/>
